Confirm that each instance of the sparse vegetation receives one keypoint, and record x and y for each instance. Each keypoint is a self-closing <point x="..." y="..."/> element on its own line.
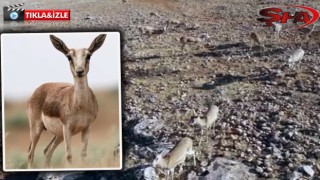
<point x="19" y="120"/>
<point x="100" y="148"/>
<point x="98" y="156"/>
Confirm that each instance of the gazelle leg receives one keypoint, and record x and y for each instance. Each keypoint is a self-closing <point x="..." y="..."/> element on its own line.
<point x="182" y="47"/>
<point x="67" y="141"/>
<point x="168" y="174"/>
<point x="85" y="139"/>
<point x="207" y="134"/>
<point x="181" y="168"/>
<point x="172" y="174"/>
<point x="35" y="132"/>
<point x="50" y="149"/>
<point x="47" y="160"/>
<point x="194" y="158"/>
<point x="201" y="137"/>
<point x="48" y="146"/>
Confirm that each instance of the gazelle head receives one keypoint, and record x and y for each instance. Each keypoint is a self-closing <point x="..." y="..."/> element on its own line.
<point x="159" y="159"/>
<point x="195" y="117"/>
<point x="195" y="120"/>
<point x="78" y="58"/>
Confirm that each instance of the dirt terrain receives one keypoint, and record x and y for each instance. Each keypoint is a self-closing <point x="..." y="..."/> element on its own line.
<point x="269" y="113"/>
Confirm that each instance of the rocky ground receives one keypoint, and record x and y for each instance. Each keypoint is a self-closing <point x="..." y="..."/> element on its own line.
<point x="268" y="124"/>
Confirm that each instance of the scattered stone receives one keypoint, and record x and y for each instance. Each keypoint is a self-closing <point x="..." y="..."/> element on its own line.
<point x="265" y="174"/>
<point x="269" y="169"/>
<point x="88" y="17"/>
<point x="299" y="157"/>
<point x="308" y="170"/>
<point x="192" y="176"/>
<point x="295" y="176"/>
<point x="150" y="174"/>
<point x="290" y="165"/>
<point x="259" y="170"/>
<point x="63" y="176"/>
<point x="152" y="99"/>
<point x="277" y="153"/>
<point x="225" y="169"/>
<point x="317" y="153"/>
<point x="204" y="163"/>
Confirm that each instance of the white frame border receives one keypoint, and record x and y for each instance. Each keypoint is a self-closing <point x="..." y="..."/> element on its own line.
<point x="62" y="169"/>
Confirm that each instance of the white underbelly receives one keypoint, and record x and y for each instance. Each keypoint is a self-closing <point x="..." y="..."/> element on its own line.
<point x="77" y="124"/>
<point x="53" y="124"/>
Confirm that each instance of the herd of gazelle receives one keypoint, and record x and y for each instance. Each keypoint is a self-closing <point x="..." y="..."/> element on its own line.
<point x="183" y="40"/>
<point x="64" y="109"/>
<point x="177" y="155"/>
<point x="298" y="54"/>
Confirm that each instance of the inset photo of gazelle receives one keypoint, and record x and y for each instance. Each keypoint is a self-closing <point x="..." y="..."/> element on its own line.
<point x="61" y="101"/>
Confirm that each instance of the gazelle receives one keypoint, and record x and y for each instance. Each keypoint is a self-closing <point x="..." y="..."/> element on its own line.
<point x="208" y="122"/>
<point x="176" y="156"/>
<point x="296" y="57"/>
<point x="277" y="27"/>
<point x="144" y="29"/>
<point x="185" y="40"/>
<point x="255" y="37"/>
<point x="307" y="31"/>
<point x="188" y="40"/>
<point x="157" y="32"/>
<point x="64" y="109"/>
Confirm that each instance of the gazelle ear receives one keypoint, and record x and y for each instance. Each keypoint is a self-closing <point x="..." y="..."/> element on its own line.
<point x="97" y="43"/>
<point x="59" y="44"/>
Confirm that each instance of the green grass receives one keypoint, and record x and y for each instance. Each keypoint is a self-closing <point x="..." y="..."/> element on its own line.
<point x="17" y="121"/>
<point x="16" y="160"/>
<point x="58" y="157"/>
<point x="97" y="156"/>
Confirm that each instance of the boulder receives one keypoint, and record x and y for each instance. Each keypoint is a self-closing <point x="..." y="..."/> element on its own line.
<point x="225" y="169"/>
<point x="143" y="172"/>
<point x="147" y="128"/>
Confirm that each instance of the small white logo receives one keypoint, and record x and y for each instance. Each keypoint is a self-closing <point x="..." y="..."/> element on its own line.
<point x="14" y="15"/>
